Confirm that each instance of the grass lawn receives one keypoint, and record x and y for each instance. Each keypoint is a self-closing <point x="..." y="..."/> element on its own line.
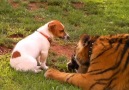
<point x="19" y="18"/>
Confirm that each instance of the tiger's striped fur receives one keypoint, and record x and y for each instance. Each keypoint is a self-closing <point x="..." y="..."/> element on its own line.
<point x="109" y="63"/>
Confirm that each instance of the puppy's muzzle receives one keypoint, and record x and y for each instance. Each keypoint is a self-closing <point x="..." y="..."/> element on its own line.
<point x="66" y="36"/>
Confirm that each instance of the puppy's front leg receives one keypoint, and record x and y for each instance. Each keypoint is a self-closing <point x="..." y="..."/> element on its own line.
<point x="43" y="58"/>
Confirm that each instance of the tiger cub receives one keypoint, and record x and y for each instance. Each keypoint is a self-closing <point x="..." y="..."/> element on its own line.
<point x="106" y="63"/>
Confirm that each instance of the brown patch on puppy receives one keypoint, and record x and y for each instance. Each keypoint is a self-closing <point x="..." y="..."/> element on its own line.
<point x="57" y="29"/>
<point x="16" y="54"/>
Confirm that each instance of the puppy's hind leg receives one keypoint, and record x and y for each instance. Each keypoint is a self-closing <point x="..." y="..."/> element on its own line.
<point x="25" y="63"/>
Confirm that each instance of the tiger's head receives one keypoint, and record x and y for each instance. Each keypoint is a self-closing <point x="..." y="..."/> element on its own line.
<point x="92" y="48"/>
<point x="81" y="59"/>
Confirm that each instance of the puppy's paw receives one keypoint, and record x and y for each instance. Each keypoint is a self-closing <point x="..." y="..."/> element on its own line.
<point x="45" y="67"/>
<point x="37" y="69"/>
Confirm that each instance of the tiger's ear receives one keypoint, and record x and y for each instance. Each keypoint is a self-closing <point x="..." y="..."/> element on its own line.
<point x="51" y="26"/>
<point x="86" y="40"/>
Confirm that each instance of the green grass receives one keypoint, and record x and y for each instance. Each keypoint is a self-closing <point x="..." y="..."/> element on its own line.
<point x="94" y="17"/>
<point x="13" y="80"/>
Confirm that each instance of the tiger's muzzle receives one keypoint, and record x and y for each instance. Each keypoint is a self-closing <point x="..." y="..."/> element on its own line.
<point x="72" y="65"/>
<point x="75" y="66"/>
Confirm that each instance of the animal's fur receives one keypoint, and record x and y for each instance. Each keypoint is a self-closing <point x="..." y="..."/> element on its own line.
<point x="35" y="47"/>
<point x="109" y="63"/>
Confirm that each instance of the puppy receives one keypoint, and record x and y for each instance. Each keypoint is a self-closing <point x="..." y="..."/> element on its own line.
<point x="35" y="47"/>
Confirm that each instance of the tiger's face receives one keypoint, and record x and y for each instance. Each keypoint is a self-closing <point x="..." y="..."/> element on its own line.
<point x="81" y="59"/>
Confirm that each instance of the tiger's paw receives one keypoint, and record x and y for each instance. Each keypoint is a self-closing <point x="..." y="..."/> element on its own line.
<point x="50" y="73"/>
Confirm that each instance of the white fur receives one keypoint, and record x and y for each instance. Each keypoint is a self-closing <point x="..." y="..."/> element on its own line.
<point x="30" y="48"/>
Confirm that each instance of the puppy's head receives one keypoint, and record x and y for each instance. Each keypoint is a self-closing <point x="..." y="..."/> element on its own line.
<point x="57" y="29"/>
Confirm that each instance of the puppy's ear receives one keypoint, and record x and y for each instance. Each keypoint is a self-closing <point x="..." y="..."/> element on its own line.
<point x="51" y="26"/>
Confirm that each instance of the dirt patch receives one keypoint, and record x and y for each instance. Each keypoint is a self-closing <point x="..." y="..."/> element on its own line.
<point x="78" y="5"/>
<point x="33" y="6"/>
<point x="37" y="5"/>
<point x="66" y="50"/>
<point x="16" y="36"/>
<point x="30" y="5"/>
<point x="4" y="50"/>
<point x="39" y="18"/>
<point x="14" y="4"/>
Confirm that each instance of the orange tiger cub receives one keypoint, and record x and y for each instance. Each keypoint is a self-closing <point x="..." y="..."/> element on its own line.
<point x="108" y="68"/>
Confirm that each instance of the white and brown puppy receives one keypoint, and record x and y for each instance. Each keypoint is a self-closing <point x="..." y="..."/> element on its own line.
<point x="24" y="55"/>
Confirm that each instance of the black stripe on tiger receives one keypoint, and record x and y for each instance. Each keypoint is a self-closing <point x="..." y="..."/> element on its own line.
<point x="116" y="65"/>
<point x="123" y="53"/>
<point x="108" y="80"/>
<point x="100" y="53"/>
<point x="126" y="63"/>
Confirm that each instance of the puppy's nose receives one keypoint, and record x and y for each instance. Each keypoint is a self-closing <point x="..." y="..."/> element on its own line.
<point x="67" y="37"/>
